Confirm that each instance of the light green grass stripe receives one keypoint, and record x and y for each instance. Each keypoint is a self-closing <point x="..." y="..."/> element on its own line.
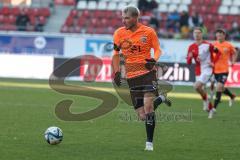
<point x="46" y="86"/>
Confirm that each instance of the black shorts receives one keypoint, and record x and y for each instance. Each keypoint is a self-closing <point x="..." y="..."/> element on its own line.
<point x="221" y="77"/>
<point x="140" y="85"/>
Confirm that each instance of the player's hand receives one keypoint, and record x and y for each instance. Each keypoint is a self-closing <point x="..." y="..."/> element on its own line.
<point x="211" y="64"/>
<point x="150" y="63"/>
<point x="215" y="49"/>
<point x="198" y="59"/>
<point x="117" y="78"/>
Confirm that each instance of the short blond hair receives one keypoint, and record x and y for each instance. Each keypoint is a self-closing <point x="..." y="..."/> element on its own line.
<point x="134" y="11"/>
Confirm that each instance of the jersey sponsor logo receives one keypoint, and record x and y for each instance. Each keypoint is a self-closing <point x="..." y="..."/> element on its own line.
<point x="143" y="39"/>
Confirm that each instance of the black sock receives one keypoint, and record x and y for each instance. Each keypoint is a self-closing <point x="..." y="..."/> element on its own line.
<point x="218" y="99"/>
<point x="157" y="102"/>
<point x="150" y="125"/>
<point x="227" y="92"/>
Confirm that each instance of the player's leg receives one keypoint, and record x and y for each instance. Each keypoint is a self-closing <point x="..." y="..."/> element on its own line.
<point x="150" y="119"/>
<point x="232" y="96"/>
<point x="160" y="96"/>
<point x="199" y="87"/>
<point x="137" y="92"/>
<point x="219" y="90"/>
<point x="150" y="93"/>
<point x="200" y="84"/>
<point x="212" y="80"/>
<point x="146" y="113"/>
<point x="141" y="113"/>
<point x="221" y="79"/>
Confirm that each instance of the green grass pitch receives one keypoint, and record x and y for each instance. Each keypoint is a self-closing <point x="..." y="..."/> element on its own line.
<point x="26" y="112"/>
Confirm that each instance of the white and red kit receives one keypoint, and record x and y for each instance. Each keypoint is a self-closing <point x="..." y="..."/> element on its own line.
<point x="203" y="55"/>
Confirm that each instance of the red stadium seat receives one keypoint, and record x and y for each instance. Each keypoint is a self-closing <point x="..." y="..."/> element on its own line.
<point x="74" y="13"/>
<point x="42" y="20"/>
<point x="5" y="11"/>
<point x="213" y="9"/>
<point x="90" y="30"/>
<point x="35" y="11"/>
<point x="6" y="20"/>
<point x="69" y="21"/>
<point x="1" y="18"/>
<point x="86" y="13"/>
<point x="44" y="12"/>
<point x="98" y="13"/>
<point x="230" y="18"/>
<point x="12" y="19"/>
<point x="64" y="29"/>
<point x="104" y="21"/>
<point x="82" y="22"/>
<point x="69" y="2"/>
<point x="15" y="11"/>
<point x="94" y="22"/>
<point x="77" y="29"/>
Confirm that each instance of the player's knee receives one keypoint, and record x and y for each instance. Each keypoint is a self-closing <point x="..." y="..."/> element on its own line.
<point x="219" y="87"/>
<point x="142" y="116"/>
<point x="150" y="118"/>
<point x="198" y="86"/>
<point x="148" y="108"/>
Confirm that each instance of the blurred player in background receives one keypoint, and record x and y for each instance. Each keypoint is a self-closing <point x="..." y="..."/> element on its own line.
<point x="134" y="41"/>
<point x="227" y="56"/>
<point x="202" y="52"/>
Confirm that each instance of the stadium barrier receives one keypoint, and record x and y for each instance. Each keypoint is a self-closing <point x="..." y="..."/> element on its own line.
<point x="35" y="55"/>
<point x="40" y="67"/>
<point x="26" y="66"/>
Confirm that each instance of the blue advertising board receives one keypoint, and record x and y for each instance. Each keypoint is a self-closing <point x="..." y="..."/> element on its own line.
<point x="99" y="47"/>
<point x="41" y="45"/>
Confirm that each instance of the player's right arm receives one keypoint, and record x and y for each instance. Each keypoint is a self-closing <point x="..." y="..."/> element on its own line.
<point x="189" y="55"/>
<point x="116" y="56"/>
<point x="116" y="60"/>
<point x="215" y="53"/>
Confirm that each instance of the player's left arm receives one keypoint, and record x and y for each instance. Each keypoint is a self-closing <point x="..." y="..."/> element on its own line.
<point x="155" y="45"/>
<point x="234" y="55"/>
<point x="157" y="51"/>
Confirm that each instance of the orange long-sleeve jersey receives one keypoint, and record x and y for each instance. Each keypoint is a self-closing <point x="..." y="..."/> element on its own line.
<point x="226" y="50"/>
<point x="136" y="47"/>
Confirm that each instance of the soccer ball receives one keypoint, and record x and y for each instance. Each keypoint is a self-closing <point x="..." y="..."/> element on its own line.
<point x="53" y="135"/>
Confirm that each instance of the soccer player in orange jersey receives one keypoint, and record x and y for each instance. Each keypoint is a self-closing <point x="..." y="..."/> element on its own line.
<point x="227" y="55"/>
<point x="134" y="41"/>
